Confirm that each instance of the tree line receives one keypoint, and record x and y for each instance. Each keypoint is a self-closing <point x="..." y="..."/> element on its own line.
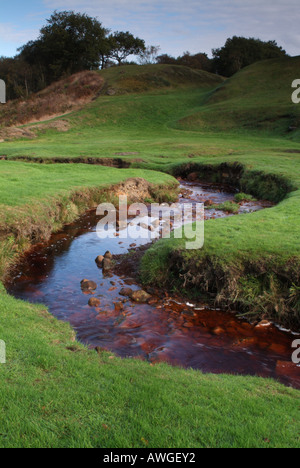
<point x="71" y="42"/>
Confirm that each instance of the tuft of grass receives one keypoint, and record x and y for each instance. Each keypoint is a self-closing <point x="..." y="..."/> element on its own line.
<point x="243" y="197"/>
<point x="228" y="207"/>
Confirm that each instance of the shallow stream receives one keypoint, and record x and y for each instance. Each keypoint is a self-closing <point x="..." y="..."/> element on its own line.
<point x="166" y="329"/>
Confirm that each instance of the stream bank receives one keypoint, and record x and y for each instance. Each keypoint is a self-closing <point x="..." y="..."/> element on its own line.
<point x="245" y="264"/>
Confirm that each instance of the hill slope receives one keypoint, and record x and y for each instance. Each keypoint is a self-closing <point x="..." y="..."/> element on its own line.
<point x="136" y="78"/>
<point x="76" y="91"/>
<point x="258" y="97"/>
<point x="63" y="96"/>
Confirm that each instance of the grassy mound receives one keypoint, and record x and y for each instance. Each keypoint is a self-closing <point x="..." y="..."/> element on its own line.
<point x="137" y="79"/>
<point x="256" y="98"/>
<point x="74" y="92"/>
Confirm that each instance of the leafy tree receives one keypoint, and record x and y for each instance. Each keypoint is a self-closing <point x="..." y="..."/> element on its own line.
<point x="123" y="44"/>
<point x="198" y="61"/>
<point x="20" y="78"/>
<point x="166" y="59"/>
<point x="239" y="52"/>
<point x="69" y="43"/>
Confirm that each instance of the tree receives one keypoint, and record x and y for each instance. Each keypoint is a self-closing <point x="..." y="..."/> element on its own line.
<point x="149" y="55"/>
<point x="20" y="78"/>
<point x="71" y="42"/>
<point x="123" y="44"/>
<point x="198" y="61"/>
<point x="166" y="59"/>
<point x="239" y="52"/>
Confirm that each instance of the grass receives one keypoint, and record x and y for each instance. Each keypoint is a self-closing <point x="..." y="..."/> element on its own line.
<point x="228" y="207"/>
<point x="22" y="183"/>
<point x="243" y="197"/>
<point x="57" y="393"/>
<point x="258" y="97"/>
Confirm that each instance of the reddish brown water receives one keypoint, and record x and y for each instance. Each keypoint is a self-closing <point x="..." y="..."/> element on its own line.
<point x="169" y="330"/>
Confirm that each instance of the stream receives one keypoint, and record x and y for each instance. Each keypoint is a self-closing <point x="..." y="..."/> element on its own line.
<point x="167" y="329"/>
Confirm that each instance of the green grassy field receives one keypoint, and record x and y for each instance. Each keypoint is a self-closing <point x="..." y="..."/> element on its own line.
<point x="57" y="393"/>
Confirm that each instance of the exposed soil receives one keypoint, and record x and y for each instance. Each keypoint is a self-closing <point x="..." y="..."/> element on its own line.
<point x="270" y="187"/>
<point x="13" y="133"/>
<point x="108" y="162"/>
<point x="137" y="189"/>
<point x="59" y="99"/>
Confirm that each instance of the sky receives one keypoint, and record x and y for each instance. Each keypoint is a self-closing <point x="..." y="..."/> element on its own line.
<point x="174" y="25"/>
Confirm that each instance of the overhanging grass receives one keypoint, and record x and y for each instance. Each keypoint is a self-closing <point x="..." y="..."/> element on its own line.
<point x="36" y="199"/>
<point x="22" y="183"/>
<point x="260" y="249"/>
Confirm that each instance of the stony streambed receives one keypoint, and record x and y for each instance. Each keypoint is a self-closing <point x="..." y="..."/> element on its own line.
<point x="109" y="315"/>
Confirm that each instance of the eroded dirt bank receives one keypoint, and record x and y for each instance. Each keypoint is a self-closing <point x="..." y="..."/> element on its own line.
<point x="262" y="185"/>
<point x="263" y="286"/>
<point x="61" y="97"/>
<point x="21" y="227"/>
<point x="118" y="163"/>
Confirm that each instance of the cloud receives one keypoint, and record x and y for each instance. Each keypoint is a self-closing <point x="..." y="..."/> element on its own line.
<point x="11" y="34"/>
<point x="195" y="25"/>
<point x="177" y="25"/>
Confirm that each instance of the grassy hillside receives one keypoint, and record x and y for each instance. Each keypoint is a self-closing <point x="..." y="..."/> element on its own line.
<point x="150" y="105"/>
<point x="256" y="98"/>
<point x="135" y="79"/>
<point x="69" y="94"/>
<point x="145" y="102"/>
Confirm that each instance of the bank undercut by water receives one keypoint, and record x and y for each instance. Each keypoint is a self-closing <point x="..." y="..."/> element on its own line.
<point x="249" y="263"/>
<point x="62" y="194"/>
